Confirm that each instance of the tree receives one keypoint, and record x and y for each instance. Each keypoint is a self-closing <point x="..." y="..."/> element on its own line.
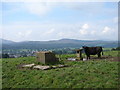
<point x="118" y="48"/>
<point x="5" y="56"/>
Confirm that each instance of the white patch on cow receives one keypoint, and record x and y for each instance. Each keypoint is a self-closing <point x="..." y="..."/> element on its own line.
<point x="84" y="59"/>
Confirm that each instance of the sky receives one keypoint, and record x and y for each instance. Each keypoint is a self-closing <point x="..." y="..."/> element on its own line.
<point x="43" y="21"/>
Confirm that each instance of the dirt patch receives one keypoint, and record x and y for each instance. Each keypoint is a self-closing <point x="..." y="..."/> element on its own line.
<point x="117" y="59"/>
<point x="20" y="66"/>
<point x="109" y="58"/>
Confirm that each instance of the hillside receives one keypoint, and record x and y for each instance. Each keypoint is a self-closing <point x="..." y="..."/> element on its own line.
<point x="62" y="43"/>
<point x="6" y="41"/>
<point x="94" y="73"/>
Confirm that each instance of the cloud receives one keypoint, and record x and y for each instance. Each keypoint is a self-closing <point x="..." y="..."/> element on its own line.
<point x="40" y="8"/>
<point x="106" y="29"/>
<point x="20" y="34"/>
<point x="85" y="26"/>
<point x="60" y="1"/>
<point x="67" y="34"/>
<point x="36" y="8"/>
<point x="83" y="31"/>
<point x="24" y="34"/>
<point x="28" y="33"/>
<point x="61" y="34"/>
<point x="93" y="32"/>
<point x="49" y="31"/>
<point x="21" y="31"/>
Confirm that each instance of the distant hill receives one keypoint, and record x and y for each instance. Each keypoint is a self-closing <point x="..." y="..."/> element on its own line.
<point x="53" y="44"/>
<point x="6" y="41"/>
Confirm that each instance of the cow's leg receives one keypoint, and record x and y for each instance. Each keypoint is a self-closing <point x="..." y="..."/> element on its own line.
<point x="99" y="55"/>
<point x="89" y="56"/>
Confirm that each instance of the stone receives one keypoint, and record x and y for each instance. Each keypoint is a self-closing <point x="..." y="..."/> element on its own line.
<point x="41" y="67"/>
<point x="28" y="65"/>
<point x="59" y="66"/>
<point x="46" y="57"/>
<point x="72" y="59"/>
<point x="54" y="66"/>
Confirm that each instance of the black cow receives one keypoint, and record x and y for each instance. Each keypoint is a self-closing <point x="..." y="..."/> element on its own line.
<point x="93" y="51"/>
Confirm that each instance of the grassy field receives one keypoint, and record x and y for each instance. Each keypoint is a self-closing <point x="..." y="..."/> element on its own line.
<point x="101" y="73"/>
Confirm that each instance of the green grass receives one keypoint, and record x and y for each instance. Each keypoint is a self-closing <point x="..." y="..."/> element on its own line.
<point x="79" y="74"/>
<point x="0" y="73"/>
<point x="111" y="53"/>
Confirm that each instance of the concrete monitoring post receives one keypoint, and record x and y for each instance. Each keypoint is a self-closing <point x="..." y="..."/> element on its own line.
<point x="46" y="57"/>
<point x="79" y="54"/>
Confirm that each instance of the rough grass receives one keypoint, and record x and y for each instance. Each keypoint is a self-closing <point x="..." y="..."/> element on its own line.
<point x="80" y="74"/>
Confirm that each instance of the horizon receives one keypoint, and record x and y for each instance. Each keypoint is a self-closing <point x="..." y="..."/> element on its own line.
<point x="46" y="21"/>
<point x="58" y="39"/>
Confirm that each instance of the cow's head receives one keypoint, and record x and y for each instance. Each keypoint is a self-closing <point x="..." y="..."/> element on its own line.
<point x="84" y="47"/>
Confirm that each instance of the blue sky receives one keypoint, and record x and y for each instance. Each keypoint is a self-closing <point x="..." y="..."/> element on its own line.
<point x="43" y="21"/>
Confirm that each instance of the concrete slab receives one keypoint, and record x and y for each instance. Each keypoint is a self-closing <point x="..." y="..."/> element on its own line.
<point x="72" y="59"/>
<point x="41" y="67"/>
<point x="28" y="65"/>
